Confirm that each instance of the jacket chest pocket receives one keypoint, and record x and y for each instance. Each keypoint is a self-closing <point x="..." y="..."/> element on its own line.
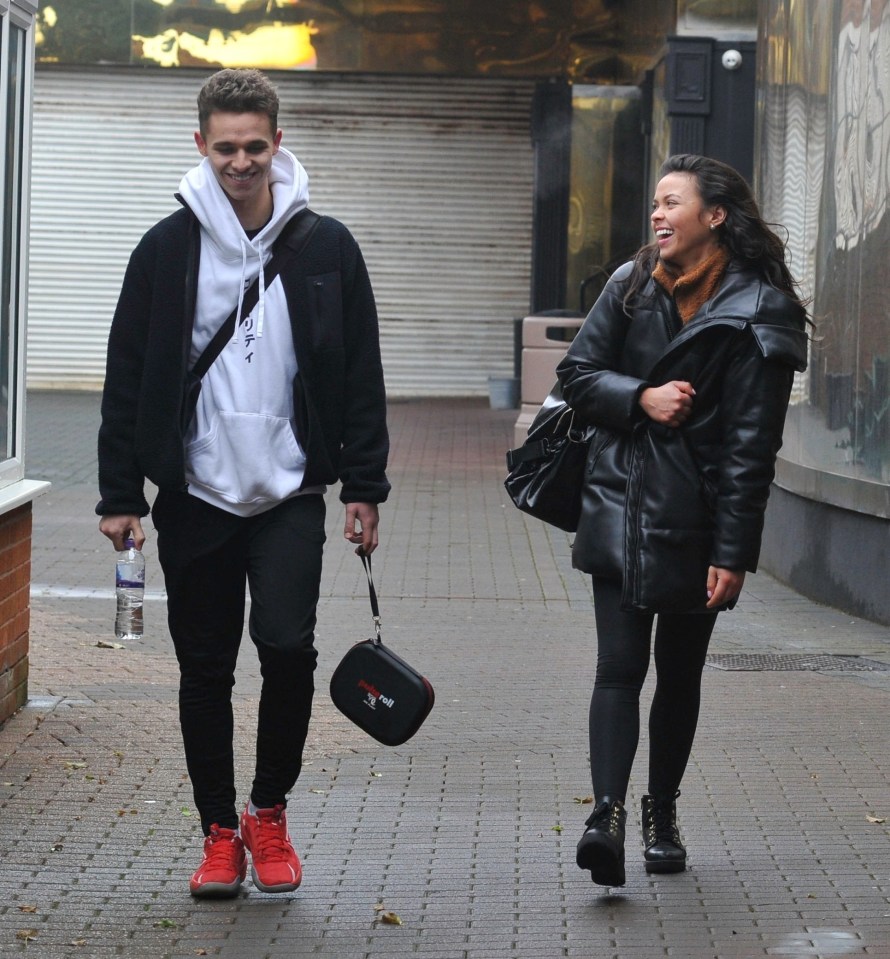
<point x="325" y="310"/>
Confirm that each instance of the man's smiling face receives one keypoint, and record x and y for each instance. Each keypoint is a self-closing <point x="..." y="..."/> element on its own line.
<point x="240" y="147"/>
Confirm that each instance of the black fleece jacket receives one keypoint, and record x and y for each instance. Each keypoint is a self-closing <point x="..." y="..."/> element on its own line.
<point x="339" y="398"/>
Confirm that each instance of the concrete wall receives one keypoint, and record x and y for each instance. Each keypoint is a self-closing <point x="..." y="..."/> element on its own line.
<point x="835" y="556"/>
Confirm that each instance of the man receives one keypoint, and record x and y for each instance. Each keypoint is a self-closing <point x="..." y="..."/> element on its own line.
<point x="293" y="401"/>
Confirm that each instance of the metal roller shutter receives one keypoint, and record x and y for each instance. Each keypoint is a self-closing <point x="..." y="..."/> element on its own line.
<point x="434" y="176"/>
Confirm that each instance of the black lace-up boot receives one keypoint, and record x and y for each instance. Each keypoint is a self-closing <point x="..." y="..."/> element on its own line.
<point x="664" y="851"/>
<point x="601" y="848"/>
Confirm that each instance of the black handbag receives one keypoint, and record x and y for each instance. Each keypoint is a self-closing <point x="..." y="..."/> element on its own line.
<point x="378" y="690"/>
<point x="545" y="475"/>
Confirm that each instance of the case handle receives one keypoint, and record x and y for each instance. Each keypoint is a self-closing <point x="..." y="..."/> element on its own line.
<point x="375" y="609"/>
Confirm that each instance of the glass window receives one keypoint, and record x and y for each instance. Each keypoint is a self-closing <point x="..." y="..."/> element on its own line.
<point x="13" y="42"/>
<point x="825" y="175"/>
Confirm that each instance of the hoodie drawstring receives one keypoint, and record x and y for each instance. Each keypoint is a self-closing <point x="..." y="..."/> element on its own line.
<point x="240" y="289"/>
<point x="262" y="281"/>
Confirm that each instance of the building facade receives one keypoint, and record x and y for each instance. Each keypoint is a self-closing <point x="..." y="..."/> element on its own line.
<point x="16" y="492"/>
<point x="497" y="159"/>
<point x="426" y="127"/>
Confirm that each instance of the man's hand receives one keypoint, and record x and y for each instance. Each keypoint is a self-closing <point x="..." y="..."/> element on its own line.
<point x="119" y="528"/>
<point x="670" y="405"/>
<point x="723" y="585"/>
<point x="362" y="520"/>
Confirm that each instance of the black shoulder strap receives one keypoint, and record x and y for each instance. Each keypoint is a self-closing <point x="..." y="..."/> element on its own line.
<point x="290" y="243"/>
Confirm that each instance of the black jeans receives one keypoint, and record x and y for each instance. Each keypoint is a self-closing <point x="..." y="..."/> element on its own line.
<point x="207" y="556"/>
<point x="623" y="638"/>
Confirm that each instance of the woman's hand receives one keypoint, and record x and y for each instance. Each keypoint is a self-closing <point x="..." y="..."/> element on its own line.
<point x="723" y="585"/>
<point x="670" y="405"/>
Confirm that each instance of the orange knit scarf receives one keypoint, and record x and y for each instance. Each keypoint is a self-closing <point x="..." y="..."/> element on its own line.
<point x="693" y="289"/>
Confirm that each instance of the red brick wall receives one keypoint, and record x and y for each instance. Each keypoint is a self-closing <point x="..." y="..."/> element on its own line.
<point x="15" y="586"/>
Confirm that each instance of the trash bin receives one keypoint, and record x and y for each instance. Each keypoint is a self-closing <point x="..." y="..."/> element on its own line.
<point x="545" y="339"/>
<point x="503" y="392"/>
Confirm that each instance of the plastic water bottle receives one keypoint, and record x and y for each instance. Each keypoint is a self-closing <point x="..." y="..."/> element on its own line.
<point x="130" y="585"/>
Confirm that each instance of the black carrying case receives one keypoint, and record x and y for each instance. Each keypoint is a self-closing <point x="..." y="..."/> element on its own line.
<point x="378" y="690"/>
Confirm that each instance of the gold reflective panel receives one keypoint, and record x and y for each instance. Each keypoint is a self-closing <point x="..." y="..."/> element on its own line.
<point x="717" y="17"/>
<point x="605" y="198"/>
<point x="592" y="40"/>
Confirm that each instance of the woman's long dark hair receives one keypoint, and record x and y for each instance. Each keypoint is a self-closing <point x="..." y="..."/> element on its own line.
<point x="749" y="240"/>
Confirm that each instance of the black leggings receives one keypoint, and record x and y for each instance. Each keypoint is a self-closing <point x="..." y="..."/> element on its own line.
<point x="681" y="644"/>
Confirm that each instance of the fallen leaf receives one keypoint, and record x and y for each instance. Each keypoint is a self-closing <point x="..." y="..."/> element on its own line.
<point x="377" y="775"/>
<point x="583" y="800"/>
<point x="379" y="907"/>
<point x="556" y="828"/>
<point x="880" y="820"/>
<point x="103" y="644"/>
<point x="77" y="942"/>
<point x="186" y="811"/>
<point x="200" y="952"/>
<point x="165" y="924"/>
<point x="390" y="919"/>
<point x="27" y="908"/>
<point x="27" y="934"/>
<point x="70" y="764"/>
<point x="318" y="792"/>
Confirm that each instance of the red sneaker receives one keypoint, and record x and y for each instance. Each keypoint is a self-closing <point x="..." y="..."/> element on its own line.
<point x="224" y="865"/>
<point x="276" y="866"/>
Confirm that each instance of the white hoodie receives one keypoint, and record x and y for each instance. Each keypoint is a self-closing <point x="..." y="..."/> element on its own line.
<point x="241" y="451"/>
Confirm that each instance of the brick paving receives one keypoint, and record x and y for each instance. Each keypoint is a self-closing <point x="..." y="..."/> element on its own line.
<point x="467" y="833"/>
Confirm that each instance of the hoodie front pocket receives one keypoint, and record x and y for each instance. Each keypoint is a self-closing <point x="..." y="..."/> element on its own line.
<point x="247" y="458"/>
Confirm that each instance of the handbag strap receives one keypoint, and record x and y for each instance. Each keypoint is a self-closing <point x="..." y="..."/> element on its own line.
<point x="291" y="242"/>
<point x="544" y="447"/>
<point x="375" y="609"/>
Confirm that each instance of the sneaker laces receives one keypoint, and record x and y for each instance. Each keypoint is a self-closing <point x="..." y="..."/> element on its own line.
<point x="220" y="844"/>
<point x="271" y="838"/>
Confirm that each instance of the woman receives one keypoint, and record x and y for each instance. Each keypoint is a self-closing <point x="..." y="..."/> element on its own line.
<point x="684" y="367"/>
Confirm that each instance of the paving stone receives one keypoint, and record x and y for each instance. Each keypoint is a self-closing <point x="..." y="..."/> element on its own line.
<point x="468" y="831"/>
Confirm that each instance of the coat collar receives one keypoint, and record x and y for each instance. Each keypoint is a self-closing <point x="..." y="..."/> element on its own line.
<point x="745" y="300"/>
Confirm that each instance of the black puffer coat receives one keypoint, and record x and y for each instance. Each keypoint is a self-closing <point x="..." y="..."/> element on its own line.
<point x="662" y="504"/>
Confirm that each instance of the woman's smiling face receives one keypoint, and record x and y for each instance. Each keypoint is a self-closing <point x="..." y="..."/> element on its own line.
<point x="685" y="229"/>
